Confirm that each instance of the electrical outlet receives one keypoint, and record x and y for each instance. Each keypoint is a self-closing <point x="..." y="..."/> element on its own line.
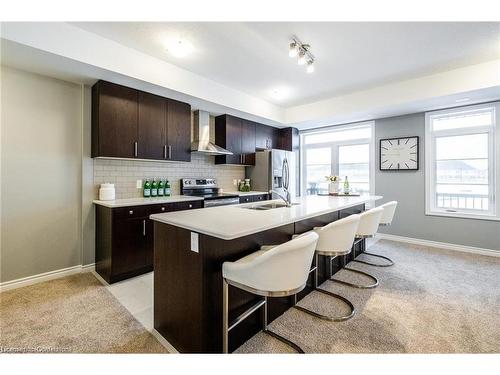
<point x="138" y="184"/>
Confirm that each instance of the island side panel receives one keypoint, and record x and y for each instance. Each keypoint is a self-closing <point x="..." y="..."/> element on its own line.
<point x="216" y="251"/>
<point x="178" y="288"/>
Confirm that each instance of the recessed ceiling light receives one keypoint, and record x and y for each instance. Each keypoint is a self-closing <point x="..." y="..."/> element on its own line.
<point x="179" y="47"/>
<point x="462" y="100"/>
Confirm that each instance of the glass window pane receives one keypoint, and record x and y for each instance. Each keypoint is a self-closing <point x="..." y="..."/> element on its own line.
<point x="315" y="178"/>
<point x="319" y="156"/>
<point x="338" y="135"/>
<point x="462" y="171"/>
<point x="470" y="197"/>
<point x="462" y="121"/>
<point x="354" y="154"/>
<point x="462" y="147"/>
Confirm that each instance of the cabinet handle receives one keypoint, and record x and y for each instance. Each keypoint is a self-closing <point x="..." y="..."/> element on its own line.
<point x="144" y="227"/>
<point x="244" y="159"/>
<point x="170" y="152"/>
<point x="164" y="151"/>
<point x="131" y="212"/>
<point x="135" y="148"/>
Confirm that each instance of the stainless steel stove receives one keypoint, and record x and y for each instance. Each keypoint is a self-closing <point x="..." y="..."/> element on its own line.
<point x="208" y="189"/>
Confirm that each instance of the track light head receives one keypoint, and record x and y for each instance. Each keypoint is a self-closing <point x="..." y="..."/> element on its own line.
<point x="302" y="58"/>
<point x="310" y="66"/>
<point x="293" y="49"/>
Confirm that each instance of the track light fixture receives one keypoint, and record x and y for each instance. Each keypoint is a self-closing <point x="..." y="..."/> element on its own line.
<point x="297" y="48"/>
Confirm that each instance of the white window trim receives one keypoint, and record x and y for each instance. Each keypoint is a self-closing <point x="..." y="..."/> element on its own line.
<point x="493" y="155"/>
<point x="370" y="141"/>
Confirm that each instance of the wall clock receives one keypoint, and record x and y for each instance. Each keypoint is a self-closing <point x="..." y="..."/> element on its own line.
<point x="399" y="154"/>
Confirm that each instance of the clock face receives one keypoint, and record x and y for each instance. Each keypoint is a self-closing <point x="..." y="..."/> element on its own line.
<point x="399" y="154"/>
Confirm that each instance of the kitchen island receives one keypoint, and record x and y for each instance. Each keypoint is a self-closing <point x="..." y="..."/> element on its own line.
<point x="190" y="247"/>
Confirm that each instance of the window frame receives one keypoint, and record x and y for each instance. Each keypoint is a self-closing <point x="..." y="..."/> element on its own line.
<point x="334" y="168"/>
<point x="493" y="132"/>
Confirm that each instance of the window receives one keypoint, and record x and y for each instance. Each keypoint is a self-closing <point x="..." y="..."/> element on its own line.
<point x="462" y="162"/>
<point x="340" y="150"/>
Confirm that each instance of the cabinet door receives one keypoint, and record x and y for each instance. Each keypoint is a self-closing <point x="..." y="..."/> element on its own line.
<point x="114" y="119"/>
<point x="248" y="142"/>
<point x="266" y="137"/>
<point x="228" y="136"/>
<point x="152" y="126"/>
<point x="178" y="131"/>
<point x="129" y="244"/>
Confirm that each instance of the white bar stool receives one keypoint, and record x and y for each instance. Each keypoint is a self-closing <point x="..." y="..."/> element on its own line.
<point x="335" y="239"/>
<point x="368" y="224"/>
<point x="385" y="220"/>
<point x="279" y="272"/>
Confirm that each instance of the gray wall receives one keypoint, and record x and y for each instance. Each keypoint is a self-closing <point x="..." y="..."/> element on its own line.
<point x="41" y="175"/>
<point x="408" y="188"/>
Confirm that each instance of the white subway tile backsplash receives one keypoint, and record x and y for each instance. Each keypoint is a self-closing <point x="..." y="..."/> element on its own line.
<point x="125" y="173"/>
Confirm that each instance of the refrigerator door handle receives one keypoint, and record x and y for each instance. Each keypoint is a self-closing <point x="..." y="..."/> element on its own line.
<point x="286" y="174"/>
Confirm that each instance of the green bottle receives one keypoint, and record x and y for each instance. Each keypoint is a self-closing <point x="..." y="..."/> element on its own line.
<point x="154" y="188"/>
<point x="161" y="188"/>
<point x="167" y="189"/>
<point x="147" y="189"/>
<point x="346" y="186"/>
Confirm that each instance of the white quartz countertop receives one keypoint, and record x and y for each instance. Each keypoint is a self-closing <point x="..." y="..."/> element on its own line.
<point x="246" y="193"/>
<point x="230" y="222"/>
<point x="146" y="201"/>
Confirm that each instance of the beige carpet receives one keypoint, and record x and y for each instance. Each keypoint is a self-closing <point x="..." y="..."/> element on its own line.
<point x="74" y="314"/>
<point x="430" y="301"/>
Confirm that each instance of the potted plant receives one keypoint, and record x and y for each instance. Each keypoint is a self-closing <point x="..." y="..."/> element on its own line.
<point x="334" y="184"/>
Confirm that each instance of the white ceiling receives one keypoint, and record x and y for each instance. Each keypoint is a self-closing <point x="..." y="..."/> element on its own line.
<point x="253" y="57"/>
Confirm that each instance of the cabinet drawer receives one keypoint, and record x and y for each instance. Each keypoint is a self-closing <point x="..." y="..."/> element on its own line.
<point x="261" y="197"/>
<point x="246" y="199"/>
<point x="131" y="212"/>
<point x="179" y="206"/>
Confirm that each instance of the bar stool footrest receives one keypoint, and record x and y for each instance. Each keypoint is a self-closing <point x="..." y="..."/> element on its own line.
<point x="326" y="317"/>
<point x="391" y="262"/>
<point x="359" y="286"/>
<point x="284" y="340"/>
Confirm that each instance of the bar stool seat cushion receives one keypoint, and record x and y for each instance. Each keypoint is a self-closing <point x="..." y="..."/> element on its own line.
<point x="281" y="269"/>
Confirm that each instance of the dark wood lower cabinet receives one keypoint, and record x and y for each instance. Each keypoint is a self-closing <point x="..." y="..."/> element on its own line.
<point x="124" y="238"/>
<point x="254" y="198"/>
<point x="188" y="284"/>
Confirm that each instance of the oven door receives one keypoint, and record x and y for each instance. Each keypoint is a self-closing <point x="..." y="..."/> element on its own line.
<point x="221" y="202"/>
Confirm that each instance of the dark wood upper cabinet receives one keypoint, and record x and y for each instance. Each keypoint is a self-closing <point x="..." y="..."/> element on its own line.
<point x="152" y="126"/>
<point x="128" y="123"/>
<point x="114" y="120"/>
<point x="178" y="131"/>
<point x="266" y="137"/>
<point x="238" y="136"/>
<point x="289" y="139"/>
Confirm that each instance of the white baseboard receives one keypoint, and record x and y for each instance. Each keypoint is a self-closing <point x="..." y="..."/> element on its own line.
<point x="164" y="342"/>
<point x="440" y="245"/>
<point x="51" y="275"/>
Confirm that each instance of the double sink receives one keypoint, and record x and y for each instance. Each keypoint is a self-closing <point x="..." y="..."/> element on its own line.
<point x="267" y="206"/>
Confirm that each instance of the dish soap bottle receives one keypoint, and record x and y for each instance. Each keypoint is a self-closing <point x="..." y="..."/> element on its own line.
<point x="161" y="188"/>
<point x="167" y="189"/>
<point x="147" y="189"/>
<point x="154" y="188"/>
<point x="346" y="186"/>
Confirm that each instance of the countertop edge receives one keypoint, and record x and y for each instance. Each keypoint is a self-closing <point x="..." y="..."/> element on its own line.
<point x="147" y="201"/>
<point x="157" y="217"/>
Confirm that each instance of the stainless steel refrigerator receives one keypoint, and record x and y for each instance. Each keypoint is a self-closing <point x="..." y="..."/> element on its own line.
<point x="268" y="173"/>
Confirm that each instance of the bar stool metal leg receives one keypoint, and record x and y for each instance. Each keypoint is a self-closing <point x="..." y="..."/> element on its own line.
<point x="316" y="288"/>
<point x="226" y="327"/>
<point x="359" y="286"/>
<point x="391" y="263"/>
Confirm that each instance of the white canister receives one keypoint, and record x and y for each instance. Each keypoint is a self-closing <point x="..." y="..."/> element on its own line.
<point x="107" y="192"/>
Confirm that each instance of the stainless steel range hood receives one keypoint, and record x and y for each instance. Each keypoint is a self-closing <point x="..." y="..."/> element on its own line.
<point x="202" y="136"/>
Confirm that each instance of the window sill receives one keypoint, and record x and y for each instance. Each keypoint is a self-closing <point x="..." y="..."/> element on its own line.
<point x="459" y="215"/>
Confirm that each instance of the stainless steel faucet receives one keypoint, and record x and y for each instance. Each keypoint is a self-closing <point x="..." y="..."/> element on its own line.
<point x="286" y="183"/>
